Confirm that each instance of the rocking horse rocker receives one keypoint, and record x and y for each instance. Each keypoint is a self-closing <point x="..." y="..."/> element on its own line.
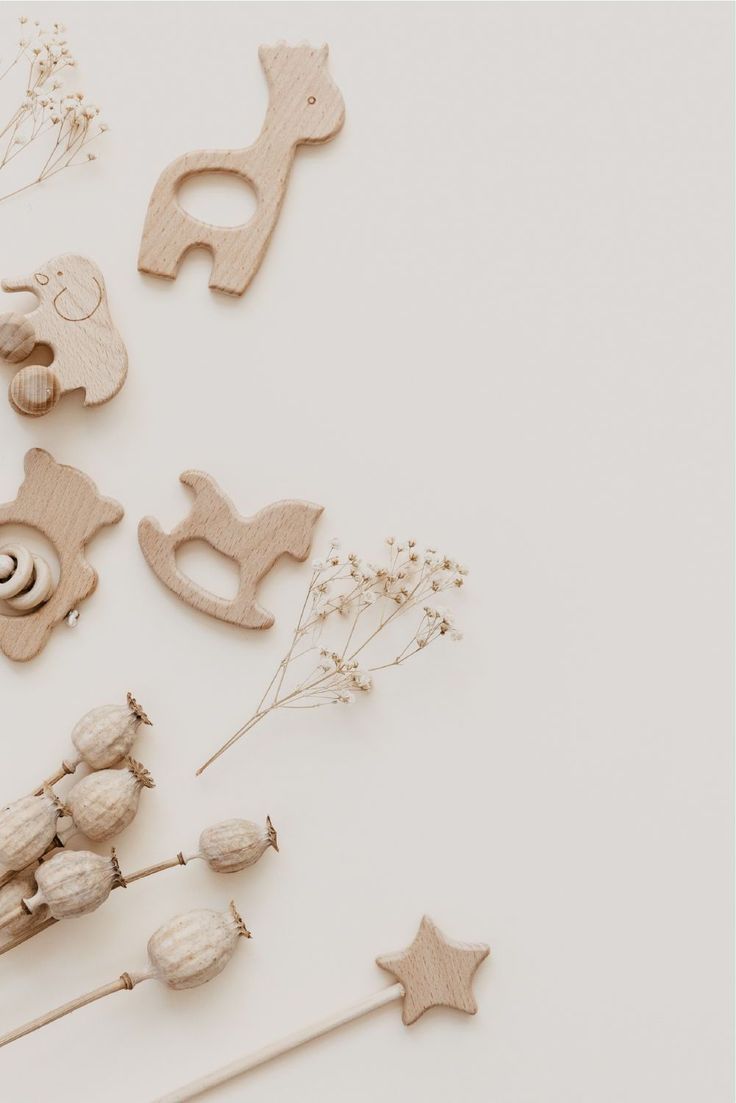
<point x="304" y="108"/>
<point x="255" y="543"/>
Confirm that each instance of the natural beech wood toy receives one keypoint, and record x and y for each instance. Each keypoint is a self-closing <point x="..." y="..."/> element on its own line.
<point x="73" y="319"/>
<point x="433" y="972"/>
<point x="304" y="108"/>
<point x="255" y="543"/>
<point x="187" y="951"/>
<point x="63" y="504"/>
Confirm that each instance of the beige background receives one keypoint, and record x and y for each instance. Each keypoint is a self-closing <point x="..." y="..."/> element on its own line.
<point x="495" y="316"/>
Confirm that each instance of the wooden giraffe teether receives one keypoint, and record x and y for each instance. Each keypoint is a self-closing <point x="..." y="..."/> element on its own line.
<point x="65" y="506"/>
<point x="255" y="543"/>
<point x="433" y="972"/>
<point x="304" y="107"/>
<point x="73" y="319"/>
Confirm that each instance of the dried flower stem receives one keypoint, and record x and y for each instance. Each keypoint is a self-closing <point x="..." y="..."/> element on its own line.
<point x="348" y="587"/>
<point x="21" y="938"/>
<point x="17" y="912"/>
<point x="125" y="982"/>
<point x="9" y="917"/>
<point x="179" y="860"/>
<point x="45" y="108"/>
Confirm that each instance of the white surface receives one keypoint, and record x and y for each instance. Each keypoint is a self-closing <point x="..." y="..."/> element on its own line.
<point x="495" y="315"/>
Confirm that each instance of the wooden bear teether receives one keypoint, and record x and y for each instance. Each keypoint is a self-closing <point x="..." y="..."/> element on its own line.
<point x="304" y="107"/>
<point x="73" y="319"/>
<point x="63" y="504"/>
<point x="255" y="543"/>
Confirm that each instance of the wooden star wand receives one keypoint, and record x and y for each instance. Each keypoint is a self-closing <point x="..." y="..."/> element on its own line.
<point x="433" y="972"/>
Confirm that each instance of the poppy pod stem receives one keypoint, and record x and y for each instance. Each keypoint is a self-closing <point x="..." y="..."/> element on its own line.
<point x="179" y="860"/>
<point x="189" y="950"/>
<point x="124" y="983"/>
<point x="21" y="938"/>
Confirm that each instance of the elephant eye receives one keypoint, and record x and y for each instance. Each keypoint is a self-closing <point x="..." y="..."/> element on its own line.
<point x="311" y="99"/>
<point x="59" y="273"/>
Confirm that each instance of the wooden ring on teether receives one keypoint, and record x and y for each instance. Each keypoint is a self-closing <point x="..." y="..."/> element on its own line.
<point x="15" y="578"/>
<point x="26" y="581"/>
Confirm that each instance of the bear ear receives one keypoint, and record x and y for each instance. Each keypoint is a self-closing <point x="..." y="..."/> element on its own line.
<point x="112" y="511"/>
<point x="37" y="459"/>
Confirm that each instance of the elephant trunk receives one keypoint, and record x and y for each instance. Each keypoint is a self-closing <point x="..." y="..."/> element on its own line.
<point x="27" y="283"/>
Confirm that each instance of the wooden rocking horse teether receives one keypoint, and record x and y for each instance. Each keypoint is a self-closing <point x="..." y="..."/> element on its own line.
<point x="73" y="319"/>
<point x="305" y="107"/>
<point x="65" y="506"/>
<point x="255" y="543"/>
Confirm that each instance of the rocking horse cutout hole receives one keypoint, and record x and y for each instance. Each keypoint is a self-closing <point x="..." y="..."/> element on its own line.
<point x="209" y="568"/>
<point x="218" y="198"/>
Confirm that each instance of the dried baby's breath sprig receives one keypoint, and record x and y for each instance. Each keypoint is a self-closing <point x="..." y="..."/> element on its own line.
<point x="56" y="124"/>
<point x="360" y="601"/>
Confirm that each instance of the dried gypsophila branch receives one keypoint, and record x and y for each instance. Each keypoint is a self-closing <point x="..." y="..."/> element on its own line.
<point x="369" y="598"/>
<point x="46" y="110"/>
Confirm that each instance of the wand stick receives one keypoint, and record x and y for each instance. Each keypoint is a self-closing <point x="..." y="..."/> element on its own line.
<point x="432" y="972"/>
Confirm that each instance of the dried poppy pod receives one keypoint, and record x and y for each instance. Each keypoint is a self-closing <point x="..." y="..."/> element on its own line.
<point x="105" y="735"/>
<point x="188" y="950"/>
<point x="14" y="918"/>
<point x="193" y="948"/>
<point x="233" y="845"/>
<point x="27" y="829"/>
<point x="102" y="738"/>
<point x="73" y="883"/>
<point x="104" y="803"/>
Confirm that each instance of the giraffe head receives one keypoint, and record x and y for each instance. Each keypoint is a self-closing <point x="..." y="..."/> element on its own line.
<point x="303" y="92"/>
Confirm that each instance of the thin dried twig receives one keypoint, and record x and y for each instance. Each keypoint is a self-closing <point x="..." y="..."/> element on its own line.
<point x="366" y="599"/>
<point x="59" y="125"/>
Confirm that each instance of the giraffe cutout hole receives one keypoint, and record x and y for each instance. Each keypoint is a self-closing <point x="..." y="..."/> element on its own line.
<point x="209" y="568"/>
<point x="218" y="198"/>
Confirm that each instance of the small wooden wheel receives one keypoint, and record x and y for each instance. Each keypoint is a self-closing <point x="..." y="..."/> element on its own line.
<point x="35" y="390"/>
<point x="17" y="337"/>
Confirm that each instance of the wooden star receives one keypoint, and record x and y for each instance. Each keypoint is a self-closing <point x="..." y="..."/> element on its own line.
<point x="435" y="972"/>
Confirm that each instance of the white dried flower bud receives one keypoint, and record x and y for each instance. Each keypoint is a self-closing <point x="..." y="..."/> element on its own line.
<point x="27" y="829"/>
<point x="74" y="882"/>
<point x="235" y="844"/>
<point x="106" y="734"/>
<point x="11" y="896"/>
<point x="193" y="948"/>
<point x="103" y="804"/>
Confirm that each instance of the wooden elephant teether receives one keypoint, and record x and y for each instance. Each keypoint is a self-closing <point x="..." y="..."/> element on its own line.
<point x="63" y="504"/>
<point x="255" y="543"/>
<point x="73" y="319"/>
<point x="304" y="107"/>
